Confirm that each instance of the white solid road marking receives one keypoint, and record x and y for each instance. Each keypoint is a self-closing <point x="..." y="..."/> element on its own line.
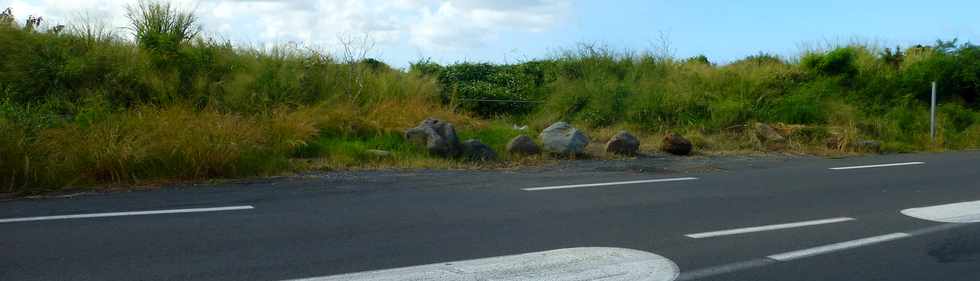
<point x="606" y="184"/>
<point x="785" y="257"/>
<point x="836" y="247"/>
<point x="965" y="212"/>
<point x="767" y="227"/>
<point x="572" y="264"/>
<point x="878" y="166"/>
<point x="117" y="214"/>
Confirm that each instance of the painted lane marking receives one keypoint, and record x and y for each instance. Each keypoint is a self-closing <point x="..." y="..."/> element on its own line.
<point x="760" y="262"/>
<point x="118" y="214"/>
<point x="766" y="228"/>
<point x="964" y="212"/>
<point x="724" y="269"/>
<point x="878" y="166"/>
<point x="571" y="264"/>
<point x="607" y="184"/>
<point x="788" y="256"/>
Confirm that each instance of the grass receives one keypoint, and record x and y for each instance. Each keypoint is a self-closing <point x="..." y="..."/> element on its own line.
<point x="82" y="107"/>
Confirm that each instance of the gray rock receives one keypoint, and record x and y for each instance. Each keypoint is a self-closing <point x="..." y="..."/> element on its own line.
<point x="769" y="137"/>
<point x="523" y="145"/>
<point x="867" y="146"/>
<point x="561" y="138"/>
<point x="474" y="150"/>
<point x="676" y="144"/>
<point x="438" y="137"/>
<point x="378" y="153"/>
<point x="623" y="143"/>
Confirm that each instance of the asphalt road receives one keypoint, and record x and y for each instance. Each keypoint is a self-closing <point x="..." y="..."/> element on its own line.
<point x="750" y="219"/>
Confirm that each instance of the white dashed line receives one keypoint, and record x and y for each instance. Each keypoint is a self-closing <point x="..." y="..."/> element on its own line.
<point x="878" y="166"/>
<point x="606" y="184"/>
<point x="118" y="214"/>
<point x="788" y="256"/>
<point x="767" y="227"/>
<point x="572" y="264"/>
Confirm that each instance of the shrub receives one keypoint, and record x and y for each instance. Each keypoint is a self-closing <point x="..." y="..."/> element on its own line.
<point x="160" y="28"/>
<point x="838" y="62"/>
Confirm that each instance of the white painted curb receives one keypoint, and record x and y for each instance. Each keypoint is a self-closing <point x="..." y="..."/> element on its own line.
<point x="571" y="264"/>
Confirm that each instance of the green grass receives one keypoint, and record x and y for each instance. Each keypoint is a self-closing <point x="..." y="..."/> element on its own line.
<point x="84" y="107"/>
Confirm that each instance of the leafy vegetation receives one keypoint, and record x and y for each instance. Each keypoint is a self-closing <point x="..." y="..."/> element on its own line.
<point x="83" y="106"/>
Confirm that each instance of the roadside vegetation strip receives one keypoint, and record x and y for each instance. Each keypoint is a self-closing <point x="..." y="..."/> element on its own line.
<point x="607" y="184"/>
<point x="964" y="212"/>
<point x="767" y="228"/>
<point x="134" y="213"/>
<point x="878" y="166"/>
<point x="570" y="264"/>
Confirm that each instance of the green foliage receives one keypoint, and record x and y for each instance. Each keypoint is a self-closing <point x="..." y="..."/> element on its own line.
<point x="490" y="90"/>
<point x="838" y="62"/>
<point x="699" y="59"/>
<point x="161" y="28"/>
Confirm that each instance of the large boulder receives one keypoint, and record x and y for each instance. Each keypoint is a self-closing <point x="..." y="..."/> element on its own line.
<point x="623" y="143"/>
<point x="769" y="137"/>
<point x="474" y="150"/>
<point x="438" y="137"/>
<point x="561" y="138"/>
<point x="523" y="145"/>
<point x="676" y="144"/>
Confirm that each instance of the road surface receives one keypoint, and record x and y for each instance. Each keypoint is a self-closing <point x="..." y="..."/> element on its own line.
<point x="864" y="218"/>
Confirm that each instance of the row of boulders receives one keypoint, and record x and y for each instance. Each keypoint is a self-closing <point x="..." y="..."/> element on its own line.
<point x="439" y="138"/>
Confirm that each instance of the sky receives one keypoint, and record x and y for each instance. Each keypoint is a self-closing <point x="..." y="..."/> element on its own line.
<point x="506" y="31"/>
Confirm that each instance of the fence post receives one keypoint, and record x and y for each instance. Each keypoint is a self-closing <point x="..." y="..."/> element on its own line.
<point x="932" y="114"/>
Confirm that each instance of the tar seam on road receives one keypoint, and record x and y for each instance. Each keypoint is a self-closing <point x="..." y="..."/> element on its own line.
<point x="805" y="253"/>
<point x="766" y="228"/>
<point x="878" y="166"/>
<point x="607" y="184"/>
<point x="136" y="213"/>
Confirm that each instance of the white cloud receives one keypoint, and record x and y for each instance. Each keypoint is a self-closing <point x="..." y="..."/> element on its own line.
<point x="429" y="25"/>
<point x="470" y="23"/>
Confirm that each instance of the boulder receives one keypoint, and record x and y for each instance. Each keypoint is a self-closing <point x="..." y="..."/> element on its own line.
<point x="623" y="143"/>
<point x="769" y="137"/>
<point x="523" y="145"/>
<point x="867" y="146"/>
<point x="561" y="138"/>
<point x="438" y="137"/>
<point x="676" y="144"/>
<point x="474" y="150"/>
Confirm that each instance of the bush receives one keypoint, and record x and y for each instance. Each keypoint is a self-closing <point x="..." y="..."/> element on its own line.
<point x="490" y="90"/>
<point x="838" y="62"/>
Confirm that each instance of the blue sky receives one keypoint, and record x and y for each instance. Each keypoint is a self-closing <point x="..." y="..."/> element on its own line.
<point x="513" y="30"/>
